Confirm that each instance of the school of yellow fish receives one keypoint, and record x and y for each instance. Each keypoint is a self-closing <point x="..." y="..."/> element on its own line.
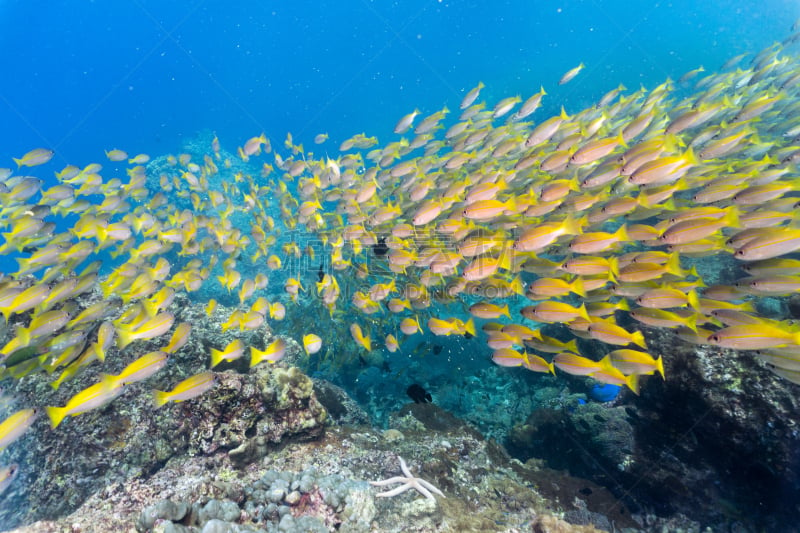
<point x="588" y="217"/>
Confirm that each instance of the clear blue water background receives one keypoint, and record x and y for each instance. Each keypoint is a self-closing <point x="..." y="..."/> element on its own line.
<point x="144" y="75"/>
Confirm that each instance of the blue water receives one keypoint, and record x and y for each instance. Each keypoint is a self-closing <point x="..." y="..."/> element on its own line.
<point x="143" y="75"/>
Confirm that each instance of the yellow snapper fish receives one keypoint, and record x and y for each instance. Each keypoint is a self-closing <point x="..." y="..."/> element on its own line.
<point x="189" y="388"/>
<point x="612" y="375"/>
<point x="93" y="397"/>
<point x="452" y="326"/>
<point x="273" y="353"/>
<point x="38" y="156"/>
<point x="570" y="74"/>
<point x="391" y="343"/>
<point x="179" y="338"/>
<point x="363" y="340"/>
<point x="611" y="333"/>
<point x="311" y="343"/>
<point x="141" y="369"/>
<point x="578" y="365"/>
<point x="410" y="326"/>
<point x="509" y="357"/>
<point x="488" y="310"/>
<point x="231" y="352"/>
<point x="148" y="329"/>
<point x="15" y="425"/>
<point x="636" y="362"/>
<point x="754" y="337"/>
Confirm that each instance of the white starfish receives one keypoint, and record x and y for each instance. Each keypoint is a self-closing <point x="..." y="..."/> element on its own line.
<point x="408" y="482"/>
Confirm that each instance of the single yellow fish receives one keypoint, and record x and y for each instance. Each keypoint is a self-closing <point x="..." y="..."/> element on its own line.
<point x="187" y="389"/>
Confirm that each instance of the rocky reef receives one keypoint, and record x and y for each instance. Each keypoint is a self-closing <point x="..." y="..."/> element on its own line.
<point x="244" y="416"/>
<point x="320" y="484"/>
<point x="270" y="449"/>
<point x="262" y="453"/>
<point x="717" y="440"/>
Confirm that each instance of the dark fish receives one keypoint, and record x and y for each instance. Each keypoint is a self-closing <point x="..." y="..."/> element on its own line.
<point x="320" y="273"/>
<point x="418" y="394"/>
<point x="380" y="248"/>
<point x="437" y="349"/>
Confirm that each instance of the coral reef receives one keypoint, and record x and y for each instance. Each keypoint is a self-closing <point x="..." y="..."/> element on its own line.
<point x="319" y="482"/>
<point x="254" y="454"/>
<point x="269" y="449"/>
<point x="687" y="445"/>
<point x="245" y="416"/>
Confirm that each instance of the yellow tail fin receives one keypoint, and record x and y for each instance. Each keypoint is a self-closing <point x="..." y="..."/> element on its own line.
<point x="577" y="287"/>
<point x="693" y="300"/>
<point x="571" y="346"/>
<point x="638" y="339"/>
<point x="691" y="322"/>
<point x="506" y="258"/>
<point x="160" y="398"/>
<point x="469" y="327"/>
<point x="217" y="356"/>
<point x="124" y="338"/>
<point x="518" y="288"/>
<point x="56" y="415"/>
<point x="660" y="366"/>
<point x="632" y="382"/>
